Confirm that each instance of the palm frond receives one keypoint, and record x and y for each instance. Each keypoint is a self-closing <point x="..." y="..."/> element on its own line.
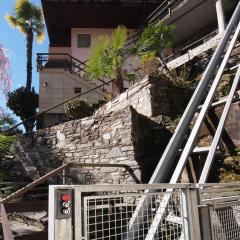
<point x="96" y="65"/>
<point x="40" y="37"/>
<point x="12" y="21"/>
<point x="119" y="38"/>
<point x="38" y="14"/>
<point x="6" y="142"/>
<point x="27" y="16"/>
<point x="24" y="9"/>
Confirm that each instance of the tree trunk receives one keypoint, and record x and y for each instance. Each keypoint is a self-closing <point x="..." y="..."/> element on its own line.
<point x="117" y="85"/>
<point x="165" y="67"/>
<point x="29" y="58"/>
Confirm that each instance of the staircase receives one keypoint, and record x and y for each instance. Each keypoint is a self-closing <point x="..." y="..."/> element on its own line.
<point x="68" y="63"/>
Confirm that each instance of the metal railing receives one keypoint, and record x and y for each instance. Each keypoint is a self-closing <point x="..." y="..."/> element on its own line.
<point x="40" y="114"/>
<point x="105" y="211"/>
<point x="189" y="46"/>
<point x="164" y="9"/>
<point x="62" y="169"/>
<point x="60" y="60"/>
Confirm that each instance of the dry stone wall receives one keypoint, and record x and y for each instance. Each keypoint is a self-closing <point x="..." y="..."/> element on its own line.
<point x="99" y="139"/>
<point x="131" y="129"/>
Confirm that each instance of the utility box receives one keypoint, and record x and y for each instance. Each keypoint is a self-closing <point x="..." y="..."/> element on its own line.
<point x="63" y="205"/>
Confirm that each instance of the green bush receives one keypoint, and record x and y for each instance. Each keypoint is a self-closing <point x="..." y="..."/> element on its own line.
<point x="24" y="103"/>
<point x="77" y="108"/>
<point x="149" y="64"/>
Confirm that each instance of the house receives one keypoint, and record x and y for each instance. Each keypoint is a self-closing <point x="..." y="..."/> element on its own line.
<point x="73" y="25"/>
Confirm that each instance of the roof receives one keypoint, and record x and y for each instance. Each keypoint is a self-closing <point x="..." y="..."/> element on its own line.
<point x="61" y="16"/>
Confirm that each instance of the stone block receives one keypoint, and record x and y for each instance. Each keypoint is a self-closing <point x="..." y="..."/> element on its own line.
<point x="115" y="152"/>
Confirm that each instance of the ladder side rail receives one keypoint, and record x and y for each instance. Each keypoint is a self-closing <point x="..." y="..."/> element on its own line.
<point x="166" y="161"/>
<point x="190" y="143"/>
<point x="173" y="146"/>
<point x="215" y="142"/>
<point x="191" y="140"/>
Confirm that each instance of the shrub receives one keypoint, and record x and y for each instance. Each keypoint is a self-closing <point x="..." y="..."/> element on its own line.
<point x="77" y="108"/>
<point x="149" y="64"/>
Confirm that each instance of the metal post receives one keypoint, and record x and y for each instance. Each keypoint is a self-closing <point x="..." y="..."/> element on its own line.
<point x="64" y="176"/>
<point x="58" y="229"/>
<point x="205" y="222"/>
<point x="220" y="16"/>
<point x="7" y="233"/>
<point x="186" y="223"/>
<point x="193" y="202"/>
<point x="78" y="215"/>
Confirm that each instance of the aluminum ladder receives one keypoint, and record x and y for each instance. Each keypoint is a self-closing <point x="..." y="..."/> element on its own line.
<point x="209" y="81"/>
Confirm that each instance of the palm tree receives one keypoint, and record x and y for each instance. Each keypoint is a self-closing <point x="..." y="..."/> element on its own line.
<point x="107" y="56"/>
<point x="154" y="38"/>
<point x="28" y="19"/>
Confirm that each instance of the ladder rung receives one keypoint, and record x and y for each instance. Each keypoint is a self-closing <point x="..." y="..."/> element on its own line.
<point x="198" y="149"/>
<point x="202" y="149"/>
<point x="234" y="67"/>
<point x="221" y="101"/>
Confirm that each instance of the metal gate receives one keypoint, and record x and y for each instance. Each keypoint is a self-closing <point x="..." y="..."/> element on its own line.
<point x="209" y="211"/>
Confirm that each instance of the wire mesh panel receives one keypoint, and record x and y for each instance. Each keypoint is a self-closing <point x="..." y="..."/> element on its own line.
<point x="223" y="200"/>
<point x="108" y="217"/>
<point x="226" y="223"/>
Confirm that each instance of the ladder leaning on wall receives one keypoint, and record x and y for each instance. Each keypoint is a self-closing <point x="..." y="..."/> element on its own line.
<point x="204" y="92"/>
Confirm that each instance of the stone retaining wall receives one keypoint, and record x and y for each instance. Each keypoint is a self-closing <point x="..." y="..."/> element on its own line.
<point x="131" y="129"/>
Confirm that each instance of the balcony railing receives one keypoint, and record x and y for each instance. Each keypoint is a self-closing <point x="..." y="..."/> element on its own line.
<point x="60" y="60"/>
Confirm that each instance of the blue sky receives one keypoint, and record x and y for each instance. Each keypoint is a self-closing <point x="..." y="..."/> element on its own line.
<point x="13" y="40"/>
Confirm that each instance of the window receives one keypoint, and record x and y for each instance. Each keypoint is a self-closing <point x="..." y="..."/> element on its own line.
<point x="83" y="40"/>
<point x="77" y="90"/>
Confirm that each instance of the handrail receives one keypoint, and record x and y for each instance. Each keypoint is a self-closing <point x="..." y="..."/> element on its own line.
<point x="161" y="9"/>
<point x="57" y="105"/>
<point x="188" y="47"/>
<point x="56" y="171"/>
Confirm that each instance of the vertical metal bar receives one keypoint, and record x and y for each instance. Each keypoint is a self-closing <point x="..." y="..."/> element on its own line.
<point x="212" y="152"/>
<point x="193" y="202"/>
<point x="78" y="223"/>
<point x="7" y="233"/>
<point x="86" y="219"/>
<point x="64" y="176"/>
<point x="205" y="222"/>
<point x="51" y="213"/>
<point x="186" y="223"/>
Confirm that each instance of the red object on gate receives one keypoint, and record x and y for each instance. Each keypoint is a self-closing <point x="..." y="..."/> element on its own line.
<point x="66" y="197"/>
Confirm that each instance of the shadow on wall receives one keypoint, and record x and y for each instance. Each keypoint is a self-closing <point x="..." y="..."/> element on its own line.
<point x="150" y="138"/>
<point x="167" y="99"/>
